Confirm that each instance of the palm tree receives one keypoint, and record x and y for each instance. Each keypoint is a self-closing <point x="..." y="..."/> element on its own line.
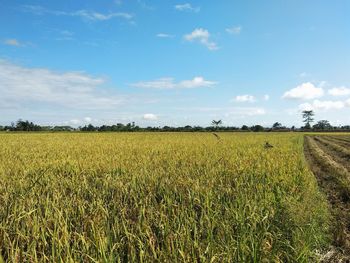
<point x="216" y="124"/>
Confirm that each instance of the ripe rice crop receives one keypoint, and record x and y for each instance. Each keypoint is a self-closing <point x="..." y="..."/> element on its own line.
<point x="166" y="197"/>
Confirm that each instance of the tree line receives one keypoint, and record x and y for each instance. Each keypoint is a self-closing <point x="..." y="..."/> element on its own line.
<point x="216" y="125"/>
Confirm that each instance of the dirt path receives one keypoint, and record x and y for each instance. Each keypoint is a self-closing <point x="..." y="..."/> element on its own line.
<point x="336" y="187"/>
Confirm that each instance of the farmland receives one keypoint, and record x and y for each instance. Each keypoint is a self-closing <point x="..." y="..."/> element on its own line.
<point x="166" y="197"/>
<point x="329" y="160"/>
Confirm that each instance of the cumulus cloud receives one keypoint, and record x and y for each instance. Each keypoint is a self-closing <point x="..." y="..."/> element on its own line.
<point x="235" y="30"/>
<point x="169" y="83"/>
<point x="187" y="7"/>
<point x="322" y="105"/>
<point x="305" y="91"/>
<point x="201" y="36"/>
<point x="340" y="91"/>
<point x="150" y="117"/>
<point x="23" y="85"/>
<point x="85" y="14"/>
<point x="266" y="97"/>
<point x="244" y="98"/>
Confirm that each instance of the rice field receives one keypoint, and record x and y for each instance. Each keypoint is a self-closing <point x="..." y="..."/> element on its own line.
<point x="159" y="197"/>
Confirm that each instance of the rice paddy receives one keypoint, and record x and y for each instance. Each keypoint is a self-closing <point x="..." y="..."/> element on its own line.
<point x="159" y="197"/>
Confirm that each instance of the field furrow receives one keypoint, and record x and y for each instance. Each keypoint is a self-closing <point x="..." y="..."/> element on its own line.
<point x="338" y="153"/>
<point x="345" y="141"/>
<point x="333" y="179"/>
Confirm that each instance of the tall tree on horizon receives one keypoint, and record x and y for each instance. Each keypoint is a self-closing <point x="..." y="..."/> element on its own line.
<point x="308" y="118"/>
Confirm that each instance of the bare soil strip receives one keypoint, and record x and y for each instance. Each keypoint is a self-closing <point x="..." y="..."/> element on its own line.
<point x="333" y="179"/>
<point x="342" y="140"/>
<point x="338" y="153"/>
<point x="337" y="145"/>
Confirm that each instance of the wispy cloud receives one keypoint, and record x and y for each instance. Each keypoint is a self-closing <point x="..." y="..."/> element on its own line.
<point x="303" y="74"/>
<point x="187" y="7"/>
<point x="319" y="105"/>
<point x="245" y="98"/>
<point x="339" y="91"/>
<point x="227" y="111"/>
<point x="201" y="36"/>
<point x="65" y="35"/>
<point x="266" y="97"/>
<point x="150" y="117"/>
<point x="13" y="42"/>
<point x="20" y="86"/>
<point x="164" y="35"/>
<point x="235" y="30"/>
<point x="169" y="83"/>
<point x="84" y="14"/>
<point x="100" y="16"/>
<point x="305" y="91"/>
<point x="245" y="111"/>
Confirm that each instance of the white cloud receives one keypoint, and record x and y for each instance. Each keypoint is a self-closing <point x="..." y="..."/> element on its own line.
<point x="341" y="91"/>
<point x="245" y="98"/>
<point x="74" y="121"/>
<point x="87" y="119"/>
<point x="245" y="111"/>
<point x="13" y="42"/>
<point x="100" y="16"/>
<point x="322" y="105"/>
<point x="150" y="117"/>
<point x="202" y="36"/>
<point x="66" y="33"/>
<point x="38" y="86"/>
<point x="187" y="7"/>
<point x="305" y="91"/>
<point x="266" y="97"/>
<point x="164" y="35"/>
<point x="236" y="30"/>
<point x="169" y="83"/>
<point x="85" y="14"/>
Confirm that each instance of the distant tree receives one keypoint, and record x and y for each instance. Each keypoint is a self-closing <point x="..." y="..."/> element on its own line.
<point x="276" y="126"/>
<point x="308" y="118"/>
<point x="26" y="126"/>
<point x="216" y="124"/>
<point x="257" y="128"/>
<point x="323" y="125"/>
<point x="62" y="128"/>
<point x="89" y="128"/>
<point x="245" y="128"/>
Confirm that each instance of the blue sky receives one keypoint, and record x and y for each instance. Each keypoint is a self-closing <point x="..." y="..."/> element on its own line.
<point x="159" y="62"/>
